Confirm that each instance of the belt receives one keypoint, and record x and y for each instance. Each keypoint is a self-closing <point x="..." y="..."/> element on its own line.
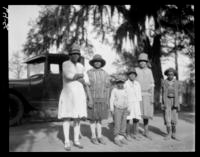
<point x="120" y="107"/>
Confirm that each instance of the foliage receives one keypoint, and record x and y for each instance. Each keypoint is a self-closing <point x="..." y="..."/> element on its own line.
<point x="16" y="65"/>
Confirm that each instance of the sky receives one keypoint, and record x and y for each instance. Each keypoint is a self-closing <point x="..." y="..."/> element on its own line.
<point x="19" y="17"/>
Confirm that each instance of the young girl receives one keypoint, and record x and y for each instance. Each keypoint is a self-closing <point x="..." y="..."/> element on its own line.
<point x="119" y="107"/>
<point x="146" y="80"/>
<point x="170" y="103"/>
<point x="134" y="102"/>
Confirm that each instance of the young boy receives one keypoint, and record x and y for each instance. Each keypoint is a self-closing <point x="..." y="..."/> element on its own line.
<point x="119" y="107"/>
<point x="134" y="101"/>
<point x="170" y="103"/>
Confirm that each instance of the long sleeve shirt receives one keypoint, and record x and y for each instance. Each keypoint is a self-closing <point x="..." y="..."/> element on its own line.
<point x="145" y="78"/>
<point x="70" y="69"/>
<point x="119" y="99"/>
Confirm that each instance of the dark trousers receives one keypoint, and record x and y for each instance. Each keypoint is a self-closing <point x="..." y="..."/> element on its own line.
<point x="120" y="121"/>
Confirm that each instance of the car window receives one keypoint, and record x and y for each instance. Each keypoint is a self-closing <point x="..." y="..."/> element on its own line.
<point x="54" y="68"/>
<point x="36" y="69"/>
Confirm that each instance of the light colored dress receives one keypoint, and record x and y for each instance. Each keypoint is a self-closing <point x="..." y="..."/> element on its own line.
<point x="134" y="98"/>
<point x="73" y="100"/>
<point x="146" y="80"/>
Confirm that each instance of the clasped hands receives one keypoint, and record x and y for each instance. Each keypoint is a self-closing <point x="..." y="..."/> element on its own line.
<point x="79" y="77"/>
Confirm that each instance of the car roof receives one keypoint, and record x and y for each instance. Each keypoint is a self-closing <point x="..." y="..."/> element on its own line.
<point x="52" y="58"/>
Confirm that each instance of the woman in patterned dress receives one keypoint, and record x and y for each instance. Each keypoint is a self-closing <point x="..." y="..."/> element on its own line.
<point x="100" y="91"/>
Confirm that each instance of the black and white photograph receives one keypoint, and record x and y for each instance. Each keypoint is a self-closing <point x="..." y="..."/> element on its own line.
<point x="101" y="78"/>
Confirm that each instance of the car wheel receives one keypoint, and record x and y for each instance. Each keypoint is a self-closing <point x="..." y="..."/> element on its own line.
<point x="16" y="109"/>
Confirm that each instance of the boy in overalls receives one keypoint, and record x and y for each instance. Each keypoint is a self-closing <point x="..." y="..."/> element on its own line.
<point x="170" y="103"/>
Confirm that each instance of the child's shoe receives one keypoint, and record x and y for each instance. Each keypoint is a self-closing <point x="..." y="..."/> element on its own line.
<point x="117" y="141"/>
<point x="67" y="147"/>
<point x="94" y="141"/>
<point x="123" y="140"/>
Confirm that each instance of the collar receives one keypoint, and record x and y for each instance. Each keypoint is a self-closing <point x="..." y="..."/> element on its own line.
<point x="97" y="69"/>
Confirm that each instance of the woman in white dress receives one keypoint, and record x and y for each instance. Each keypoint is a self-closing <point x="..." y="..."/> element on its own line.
<point x="73" y="99"/>
<point x="134" y="100"/>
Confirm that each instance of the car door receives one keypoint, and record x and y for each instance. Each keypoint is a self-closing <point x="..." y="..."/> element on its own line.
<point x="52" y="89"/>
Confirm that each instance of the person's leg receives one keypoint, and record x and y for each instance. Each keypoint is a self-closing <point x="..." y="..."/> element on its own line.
<point x="99" y="133"/>
<point x="123" y="126"/>
<point x="66" y="125"/>
<point x="128" y="129"/>
<point x="174" y="124"/>
<point x="99" y="129"/>
<point x="146" y="128"/>
<point x="93" y="131"/>
<point x="135" y="127"/>
<point x="77" y="133"/>
<point x="167" y="117"/>
<point x="93" y="128"/>
<point x="117" y="122"/>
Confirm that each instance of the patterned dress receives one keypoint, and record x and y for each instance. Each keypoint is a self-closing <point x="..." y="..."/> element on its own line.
<point x="100" y="91"/>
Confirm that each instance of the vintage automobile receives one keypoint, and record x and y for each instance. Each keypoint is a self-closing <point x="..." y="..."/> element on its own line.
<point x="41" y="90"/>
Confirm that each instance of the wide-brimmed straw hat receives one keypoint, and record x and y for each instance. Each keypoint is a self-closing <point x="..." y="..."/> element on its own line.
<point x="170" y="70"/>
<point x="75" y="50"/>
<point x="143" y="57"/>
<point x="120" y="78"/>
<point x="97" y="58"/>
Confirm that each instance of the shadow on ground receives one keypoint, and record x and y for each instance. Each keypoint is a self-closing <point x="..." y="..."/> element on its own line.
<point x="153" y="129"/>
<point x="188" y="116"/>
<point x="86" y="132"/>
<point x="29" y="132"/>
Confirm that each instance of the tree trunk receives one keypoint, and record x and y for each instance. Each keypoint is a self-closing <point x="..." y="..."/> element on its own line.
<point x="176" y="64"/>
<point x="154" y="56"/>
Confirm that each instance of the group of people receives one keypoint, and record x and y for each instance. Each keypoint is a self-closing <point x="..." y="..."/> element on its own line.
<point x="90" y="95"/>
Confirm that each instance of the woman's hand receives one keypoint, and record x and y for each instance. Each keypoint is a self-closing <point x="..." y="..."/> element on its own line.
<point x="81" y="80"/>
<point x="163" y="107"/>
<point x="90" y="103"/>
<point x="78" y="76"/>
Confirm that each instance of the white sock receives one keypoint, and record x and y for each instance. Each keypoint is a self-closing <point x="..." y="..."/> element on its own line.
<point x="99" y="129"/>
<point x="93" y="127"/>
<point x="66" y="125"/>
<point x="76" y="132"/>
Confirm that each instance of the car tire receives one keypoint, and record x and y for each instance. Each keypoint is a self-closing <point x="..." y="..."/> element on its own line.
<point x="16" y="109"/>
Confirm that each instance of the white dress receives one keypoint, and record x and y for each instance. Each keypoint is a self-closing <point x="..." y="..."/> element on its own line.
<point x="134" y="98"/>
<point x="72" y="102"/>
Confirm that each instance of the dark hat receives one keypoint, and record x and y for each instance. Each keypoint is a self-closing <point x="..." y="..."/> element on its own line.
<point x="97" y="58"/>
<point x="130" y="71"/>
<point x="120" y="78"/>
<point x="75" y="50"/>
<point x="170" y="70"/>
<point x="143" y="57"/>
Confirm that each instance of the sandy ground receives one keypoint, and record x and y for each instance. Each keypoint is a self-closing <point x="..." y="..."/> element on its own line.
<point x="48" y="137"/>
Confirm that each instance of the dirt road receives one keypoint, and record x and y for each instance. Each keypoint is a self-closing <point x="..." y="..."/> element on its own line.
<point x="48" y="136"/>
